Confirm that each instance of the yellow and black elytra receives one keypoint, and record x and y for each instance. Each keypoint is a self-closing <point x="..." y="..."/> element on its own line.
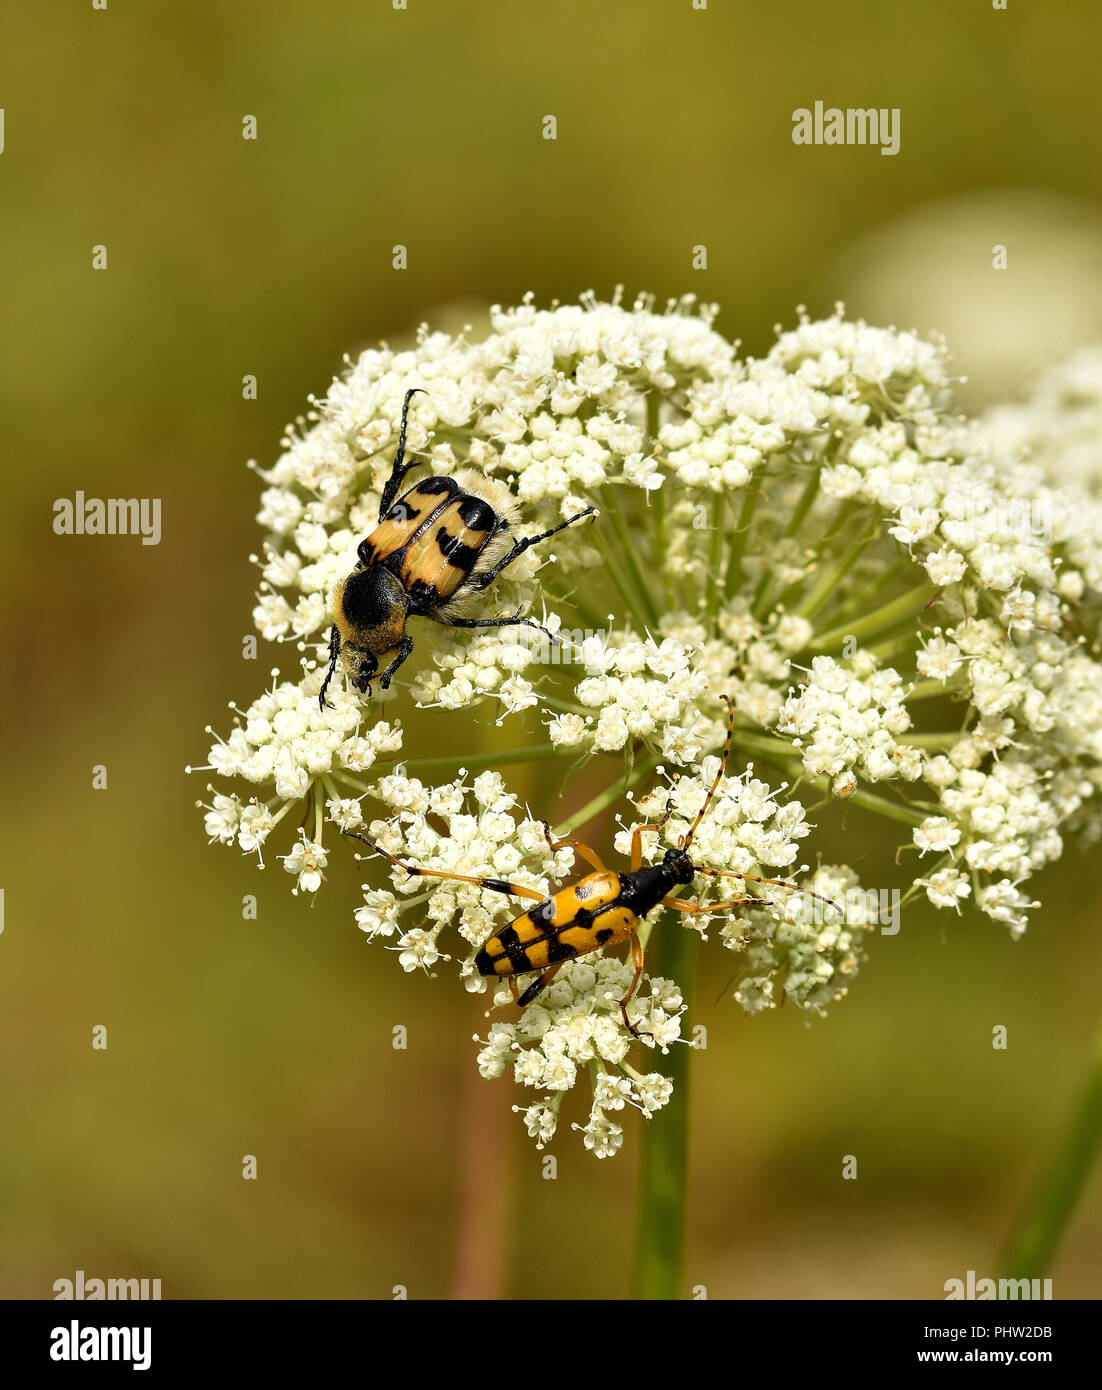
<point x="602" y="909"/>
<point x="440" y="542"/>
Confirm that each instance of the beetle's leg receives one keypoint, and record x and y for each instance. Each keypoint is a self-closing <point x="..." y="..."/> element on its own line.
<point x="492" y="885"/>
<point x="589" y="855"/>
<point x="637" y="845"/>
<point x="405" y="646"/>
<point x="775" y="883"/>
<point x="637" y="835"/>
<point x="637" y="839"/>
<point x="637" y="961"/>
<point x="695" y="909"/>
<point x="400" y="468"/>
<point x="334" y="652"/>
<point x="480" y="581"/>
<point x="514" y="621"/>
<point x="539" y="985"/>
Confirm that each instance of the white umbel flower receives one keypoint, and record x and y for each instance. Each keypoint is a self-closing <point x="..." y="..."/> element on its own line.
<point x="901" y="604"/>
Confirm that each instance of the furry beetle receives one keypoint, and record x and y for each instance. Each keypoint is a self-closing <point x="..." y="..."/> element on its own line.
<point x="439" y="542"/>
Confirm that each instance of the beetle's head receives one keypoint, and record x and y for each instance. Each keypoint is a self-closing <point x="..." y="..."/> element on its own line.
<point x="366" y="668"/>
<point x="678" y="860"/>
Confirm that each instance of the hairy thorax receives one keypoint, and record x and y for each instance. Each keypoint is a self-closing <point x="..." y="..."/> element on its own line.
<point x="371" y="608"/>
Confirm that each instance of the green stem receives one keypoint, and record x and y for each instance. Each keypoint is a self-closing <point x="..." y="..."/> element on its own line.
<point x="839" y="522"/>
<point x="929" y="689"/>
<point x="345" y="779"/>
<point x="830" y="579"/>
<point x="783" y="755"/>
<point x="804" y="505"/>
<point x="790" y="595"/>
<point x="661" y="531"/>
<point x="449" y="761"/>
<point x="859" y="598"/>
<point x="594" y="620"/>
<point x="899" y="645"/>
<point x="1036" y="1235"/>
<point x="607" y="797"/>
<point x="556" y="702"/>
<point x="630" y="550"/>
<point x="663" y="1175"/>
<point x="764" y="602"/>
<point x="654" y="403"/>
<point x="893" y="810"/>
<point x="719" y="512"/>
<point x="658" y="499"/>
<point x="741" y="536"/>
<point x="615" y="572"/>
<point x="899" y="610"/>
<point x="766" y="745"/>
<point x="932" y="742"/>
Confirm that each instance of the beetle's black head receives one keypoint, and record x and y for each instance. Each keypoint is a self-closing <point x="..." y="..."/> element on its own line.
<point x="366" y="669"/>
<point x="683" y="867"/>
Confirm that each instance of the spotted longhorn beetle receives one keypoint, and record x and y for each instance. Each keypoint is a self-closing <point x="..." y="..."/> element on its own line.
<point x="421" y="560"/>
<point x="604" y="908"/>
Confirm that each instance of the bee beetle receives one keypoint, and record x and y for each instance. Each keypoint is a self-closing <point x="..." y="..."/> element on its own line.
<point x="604" y="908"/>
<point x="439" y="542"/>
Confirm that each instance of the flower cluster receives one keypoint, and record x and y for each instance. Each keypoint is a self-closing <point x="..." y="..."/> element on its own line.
<point x="901" y="604"/>
<point x="299" y="757"/>
<point x="455" y="828"/>
<point x="798" y="937"/>
<point x="844" y="720"/>
<point x="1059" y="427"/>
<point x="575" y="1024"/>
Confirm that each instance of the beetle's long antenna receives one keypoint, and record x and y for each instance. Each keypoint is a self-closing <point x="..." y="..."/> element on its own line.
<point x="492" y="885"/>
<point x="669" y="809"/>
<point x="400" y="455"/>
<point x="776" y="882"/>
<point x="378" y="849"/>
<point x="334" y="653"/>
<point x="688" y="839"/>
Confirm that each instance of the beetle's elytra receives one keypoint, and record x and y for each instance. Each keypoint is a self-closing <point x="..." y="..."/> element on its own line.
<point x="602" y="909"/>
<point x="439" y="543"/>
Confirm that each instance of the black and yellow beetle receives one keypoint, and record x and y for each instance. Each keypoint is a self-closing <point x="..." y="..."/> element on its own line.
<point x="421" y="560"/>
<point x="603" y="909"/>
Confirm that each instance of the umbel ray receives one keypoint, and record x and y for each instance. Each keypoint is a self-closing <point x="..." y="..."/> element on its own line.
<point x="604" y="908"/>
<point x="436" y="545"/>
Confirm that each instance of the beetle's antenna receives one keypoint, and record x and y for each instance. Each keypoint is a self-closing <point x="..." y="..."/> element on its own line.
<point x="400" y="455"/>
<point x="334" y="652"/>
<point x="776" y="883"/>
<point x="492" y="885"/>
<point x="669" y="806"/>
<point x="378" y="849"/>
<point x="688" y="839"/>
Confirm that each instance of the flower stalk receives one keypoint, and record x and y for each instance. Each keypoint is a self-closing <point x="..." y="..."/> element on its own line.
<point x="662" y="1200"/>
<point x="1035" y="1238"/>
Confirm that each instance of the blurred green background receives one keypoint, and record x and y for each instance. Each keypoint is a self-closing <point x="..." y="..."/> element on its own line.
<point x="230" y="1037"/>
